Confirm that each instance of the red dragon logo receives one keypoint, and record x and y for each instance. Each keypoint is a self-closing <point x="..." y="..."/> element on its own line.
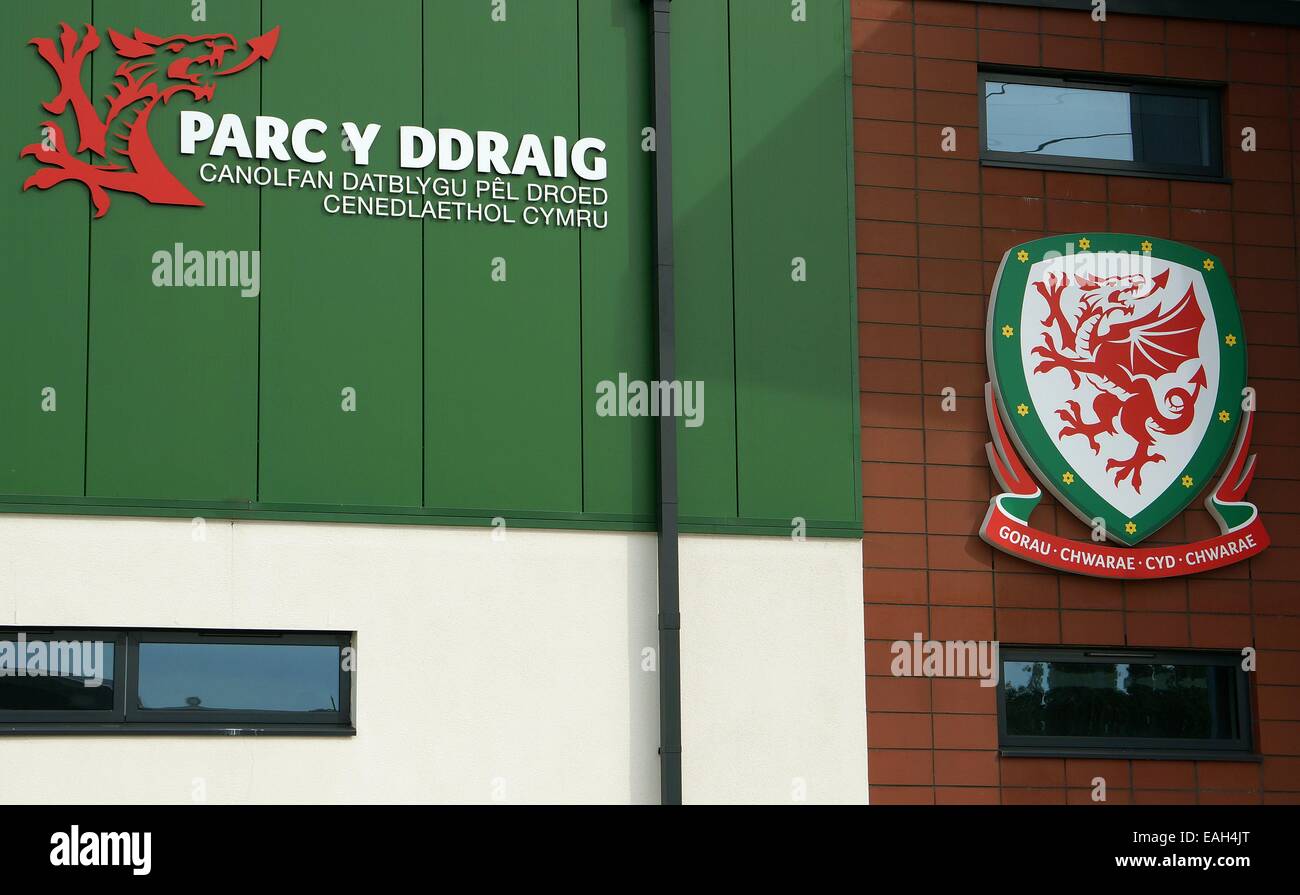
<point x="1124" y="359"/>
<point x="129" y="107"/>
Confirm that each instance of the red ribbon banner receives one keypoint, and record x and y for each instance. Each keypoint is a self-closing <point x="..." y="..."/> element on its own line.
<point x="1243" y="534"/>
<point x="1013" y="536"/>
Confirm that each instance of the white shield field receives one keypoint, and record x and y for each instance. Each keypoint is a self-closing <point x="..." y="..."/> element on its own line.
<point x="1115" y="282"/>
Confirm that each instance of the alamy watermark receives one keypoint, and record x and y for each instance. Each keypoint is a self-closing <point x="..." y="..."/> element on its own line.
<point x="1100" y="265"/>
<point x="82" y="659"/>
<point x="946" y="658"/>
<point x="88" y="849"/>
<point x="181" y="267"/>
<point x="636" y="397"/>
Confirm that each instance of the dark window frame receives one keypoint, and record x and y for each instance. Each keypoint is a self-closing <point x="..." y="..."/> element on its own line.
<point x="1240" y="748"/>
<point x="1213" y="172"/>
<point x="128" y="717"/>
<point x="1265" y="12"/>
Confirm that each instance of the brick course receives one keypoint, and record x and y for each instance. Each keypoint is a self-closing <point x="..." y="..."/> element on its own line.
<point x="932" y="227"/>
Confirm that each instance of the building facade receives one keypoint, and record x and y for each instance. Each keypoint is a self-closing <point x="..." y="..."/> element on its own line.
<point x="933" y="227"/>
<point x="256" y="404"/>
<point x="335" y="347"/>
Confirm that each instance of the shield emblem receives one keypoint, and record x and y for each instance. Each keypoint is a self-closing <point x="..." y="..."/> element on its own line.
<point x="1119" y="365"/>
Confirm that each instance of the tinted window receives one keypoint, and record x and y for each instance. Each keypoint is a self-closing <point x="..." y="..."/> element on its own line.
<point x="1086" y="699"/>
<point x="56" y="675"/>
<point x="274" y="677"/>
<point x="1174" y="129"/>
<point x="1134" y="128"/>
<point x="1058" y="120"/>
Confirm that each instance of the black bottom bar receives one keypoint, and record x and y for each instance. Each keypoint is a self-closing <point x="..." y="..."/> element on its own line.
<point x="1036" y="846"/>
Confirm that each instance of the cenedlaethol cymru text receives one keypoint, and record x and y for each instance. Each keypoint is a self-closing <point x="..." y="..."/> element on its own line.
<point x="493" y="201"/>
<point x="504" y="181"/>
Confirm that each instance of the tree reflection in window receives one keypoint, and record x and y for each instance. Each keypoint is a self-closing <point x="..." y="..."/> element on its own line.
<point x="1126" y="699"/>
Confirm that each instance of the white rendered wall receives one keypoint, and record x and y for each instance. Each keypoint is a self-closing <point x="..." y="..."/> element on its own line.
<point x="773" y="675"/>
<point x="486" y="670"/>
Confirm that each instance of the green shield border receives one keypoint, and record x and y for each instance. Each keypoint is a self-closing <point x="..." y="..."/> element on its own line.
<point x="1038" y="447"/>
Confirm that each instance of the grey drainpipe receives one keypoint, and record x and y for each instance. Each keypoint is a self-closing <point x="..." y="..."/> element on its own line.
<point x="670" y="619"/>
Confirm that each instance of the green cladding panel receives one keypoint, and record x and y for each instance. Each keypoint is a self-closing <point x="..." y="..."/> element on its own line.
<point x="44" y="241"/>
<point x="502" y="427"/>
<point x="703" y="273"/>
<point x="618" y="263"/>
<point x="794" y="363"/>
<point x="404" y="370"/>
<point x="340" y="303"/>
<point x="173" y="370"/>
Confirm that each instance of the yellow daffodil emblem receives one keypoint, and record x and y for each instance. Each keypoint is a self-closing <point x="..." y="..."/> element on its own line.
<point x="1022" y="409"/>
<point x="1224" y="416"/>
<point x="1085" y="244"/>
<point x="1146" y="245"/>
<point x="1008" y="330"/>
<point x="1068" y="478"/>
<point x="1230" y="340"/>
<point x="1208" y="264"/>
<point x="1022" y="256"/>
<point x="1131" y="528"/>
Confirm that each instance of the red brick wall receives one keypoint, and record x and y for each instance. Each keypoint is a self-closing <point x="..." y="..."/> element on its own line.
<point x="932" y="227"/>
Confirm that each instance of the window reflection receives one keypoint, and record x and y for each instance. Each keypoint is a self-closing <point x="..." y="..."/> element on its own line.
<point x="1083" y="699"/>
<point x="272" y="677"/>
<point x="1058" y="120"/>
<point x="1131" y="128"/>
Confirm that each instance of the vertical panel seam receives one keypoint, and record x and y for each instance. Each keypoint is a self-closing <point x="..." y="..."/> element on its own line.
<point x="851" y="236"/>
<point x="424" y="300"/>
<point x="731" y="200"/>
<point x="257" y="421"/>
<point x="85" y="396"/>
<point x="582" y="366"/>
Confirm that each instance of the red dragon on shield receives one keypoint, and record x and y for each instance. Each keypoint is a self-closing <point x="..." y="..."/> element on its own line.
<point x="1123" y="358"/>
<point x="129" y="107"/>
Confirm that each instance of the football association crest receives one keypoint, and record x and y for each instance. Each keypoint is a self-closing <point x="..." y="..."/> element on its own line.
<point x="1118" y="376"/>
